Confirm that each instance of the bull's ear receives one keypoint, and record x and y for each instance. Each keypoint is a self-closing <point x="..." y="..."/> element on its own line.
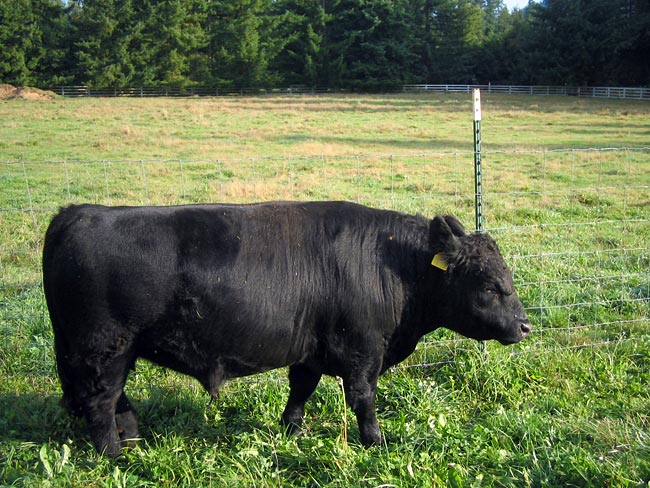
<point x="455" y="225"/>
<point x="442" y="237"/>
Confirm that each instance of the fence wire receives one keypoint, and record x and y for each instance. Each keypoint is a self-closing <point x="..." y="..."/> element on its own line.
<point x="574" y="226"/>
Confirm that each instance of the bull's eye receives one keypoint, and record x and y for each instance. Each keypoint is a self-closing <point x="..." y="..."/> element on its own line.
<point x="489" y="294"/>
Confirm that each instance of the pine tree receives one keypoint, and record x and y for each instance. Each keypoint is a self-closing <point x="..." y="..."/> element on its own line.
<point x="241" y="42"/>
<point x="108" y="36"/>
<point x="303" y="25"/>
<point x="371" y="44"/>
<point x="172" y="43"/>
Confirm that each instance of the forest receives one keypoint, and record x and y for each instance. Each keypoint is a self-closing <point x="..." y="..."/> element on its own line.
<point x="337" y="44"/>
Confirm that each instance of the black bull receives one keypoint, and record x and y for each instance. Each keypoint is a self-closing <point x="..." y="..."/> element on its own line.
<point x="221" y="291"/>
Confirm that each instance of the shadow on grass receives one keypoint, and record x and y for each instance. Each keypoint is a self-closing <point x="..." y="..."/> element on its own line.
<point x="38" y="419"/>
<point x="35" y="418"/>
<point x="192" y="415"/>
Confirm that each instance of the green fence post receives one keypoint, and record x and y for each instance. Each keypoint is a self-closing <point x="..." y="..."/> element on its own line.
<point x="478" y="174"/>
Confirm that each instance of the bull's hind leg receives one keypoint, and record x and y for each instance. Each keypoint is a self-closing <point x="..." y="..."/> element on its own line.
<point x="111" y="419"/>
<point x="302" y="383"/>
<point x="67" y="376"/>
<point x="69" y="399"/>
<point x="99" y="411"/>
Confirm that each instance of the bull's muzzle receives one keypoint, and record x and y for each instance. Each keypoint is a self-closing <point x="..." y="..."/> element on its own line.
<point x="524" y="325"/>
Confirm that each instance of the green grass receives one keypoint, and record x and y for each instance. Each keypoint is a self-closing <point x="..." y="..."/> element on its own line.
<point x="566" y="407"/>
<point x="276" y="126"/>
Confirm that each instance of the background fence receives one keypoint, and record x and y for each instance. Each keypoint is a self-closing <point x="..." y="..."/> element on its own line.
<point x="636" y="93"/>
<point x="574" y="225"/>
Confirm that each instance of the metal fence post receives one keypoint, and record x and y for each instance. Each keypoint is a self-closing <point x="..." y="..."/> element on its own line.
<point x="478" y="173"/>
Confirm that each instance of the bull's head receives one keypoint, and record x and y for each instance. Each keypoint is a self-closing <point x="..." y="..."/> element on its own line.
<point x="480" y="295"/>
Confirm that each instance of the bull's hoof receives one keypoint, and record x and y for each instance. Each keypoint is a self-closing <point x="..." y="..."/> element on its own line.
<point x="292" y="428"/>
<point x="370" y="439"/>
<point x="113" y="450"/>
<point x="127" y="441"/>
<point x="127" y="425"/>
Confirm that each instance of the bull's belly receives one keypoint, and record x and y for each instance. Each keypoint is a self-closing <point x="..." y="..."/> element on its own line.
<point x="212" y="362"/>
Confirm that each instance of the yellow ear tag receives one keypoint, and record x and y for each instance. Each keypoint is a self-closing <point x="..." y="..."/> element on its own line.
<point x="439" y="262"/>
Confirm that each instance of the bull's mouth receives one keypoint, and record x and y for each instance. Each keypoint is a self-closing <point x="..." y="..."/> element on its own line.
<point x="524" y="330"/>
<point x="509" y="341"/>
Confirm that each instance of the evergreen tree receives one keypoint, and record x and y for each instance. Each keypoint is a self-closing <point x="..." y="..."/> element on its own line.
<point x="458" y="32"/>
<point x="574" y="41"/>
<point x="303" y="26"/>
<point x="172" y="43"/>
<point x="358" y="44"/>
<point x="108" y="39"/>
<point x="630" y="63"/>
<point x="371" y="44"/>
<point x="510" y="55"/>
<point x="241" y="42"/>
<point x="19" y="39"/>
<point x="33" y="42"/>
<point x="54" y="61"/>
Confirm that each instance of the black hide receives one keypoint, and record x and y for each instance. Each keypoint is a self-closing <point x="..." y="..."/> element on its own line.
<point x="220" y="291"/>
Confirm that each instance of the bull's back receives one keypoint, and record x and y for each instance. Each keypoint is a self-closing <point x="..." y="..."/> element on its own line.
<point x="231" y="278"/>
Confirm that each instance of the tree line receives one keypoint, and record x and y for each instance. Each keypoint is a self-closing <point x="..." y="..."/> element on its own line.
<point x="352" y="44"/>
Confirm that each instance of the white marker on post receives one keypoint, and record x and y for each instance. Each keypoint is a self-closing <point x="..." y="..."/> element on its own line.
<point x="477" y="105"/>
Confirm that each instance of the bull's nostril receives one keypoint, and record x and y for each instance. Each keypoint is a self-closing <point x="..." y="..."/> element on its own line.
<point x="526" y="328"/>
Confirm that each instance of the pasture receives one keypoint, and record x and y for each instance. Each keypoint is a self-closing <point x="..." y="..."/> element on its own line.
<point x="567" y="185"/>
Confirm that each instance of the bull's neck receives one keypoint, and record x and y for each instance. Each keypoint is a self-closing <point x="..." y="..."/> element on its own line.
<point x="424" y="308"/>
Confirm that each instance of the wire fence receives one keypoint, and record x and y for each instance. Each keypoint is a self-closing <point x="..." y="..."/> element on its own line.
<point x="574" y="226"/>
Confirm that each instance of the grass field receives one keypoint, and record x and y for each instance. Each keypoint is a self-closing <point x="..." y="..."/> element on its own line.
<point x="570" y="406"/>
<point x="214" y="128"/>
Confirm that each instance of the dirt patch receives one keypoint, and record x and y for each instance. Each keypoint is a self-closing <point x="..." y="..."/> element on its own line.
<point x="6" y="91"/>
<point x="10" y="92"/>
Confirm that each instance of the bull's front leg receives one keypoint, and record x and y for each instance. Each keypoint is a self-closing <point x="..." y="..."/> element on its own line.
<point x="126" y="421"/>
<point x="302" y="382"/>
<point x="360" y="395"/>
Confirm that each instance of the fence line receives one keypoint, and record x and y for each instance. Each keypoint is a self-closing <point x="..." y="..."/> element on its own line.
<point x="636" y="93"/>
<point x="633" y="93"/>
<point x="578" y="245"/>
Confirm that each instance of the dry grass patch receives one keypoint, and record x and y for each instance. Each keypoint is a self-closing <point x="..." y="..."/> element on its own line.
<point x="10" y="92"/>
